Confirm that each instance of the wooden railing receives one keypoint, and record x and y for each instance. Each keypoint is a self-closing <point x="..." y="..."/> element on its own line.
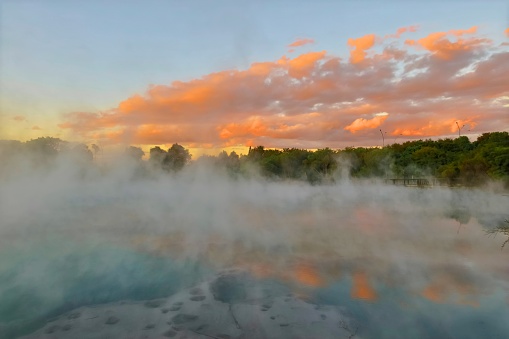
<point x="418" y="182"/>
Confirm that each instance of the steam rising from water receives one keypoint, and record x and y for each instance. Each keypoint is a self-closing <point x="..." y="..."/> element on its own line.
<point x="389" y="255"/>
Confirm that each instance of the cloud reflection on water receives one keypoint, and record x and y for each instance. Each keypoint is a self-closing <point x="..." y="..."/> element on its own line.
<point x="135" y="238"/>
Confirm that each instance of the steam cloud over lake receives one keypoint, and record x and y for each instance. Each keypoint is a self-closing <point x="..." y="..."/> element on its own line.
<point x="392" y="261"/>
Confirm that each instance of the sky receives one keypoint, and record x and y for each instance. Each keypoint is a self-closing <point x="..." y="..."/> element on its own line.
<point x="233" y="74"/>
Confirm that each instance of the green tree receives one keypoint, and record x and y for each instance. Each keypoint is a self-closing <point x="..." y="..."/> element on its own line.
<point x="271" y="163"/>
<point x="229" y="162"/>
<point x="176" y="158"/>
<point x="292" y="162"/>
<point x="429" y="158"/>
<point x="474" y="171"/>
<point x="81" y="153"/>
<point x="255" y="154"/>
<point x="46" y="146"/>
<point x="134" y="153"/>
<point x="320" y="165"/>
<point x="157" y="156"/>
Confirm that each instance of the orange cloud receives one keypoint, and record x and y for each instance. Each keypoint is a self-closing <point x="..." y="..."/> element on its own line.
<point x="301" y="42"/>
<point x="360" y="46"/>
<point x="254" y="127"/>
<point x="276" y="127"/>
<point x="319" y="100"/>
<point x="435" y="127"/>
<point x="507" y="32"/>
<point x="402" y="30"/>
<point x="36" y="128"/>
<point x="303" y="65"/>
<point x="439" y="44"/>
<point x="361" y="123"/>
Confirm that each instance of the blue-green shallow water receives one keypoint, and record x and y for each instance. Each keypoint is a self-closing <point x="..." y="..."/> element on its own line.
<point x="40" y="282"/>
<point x="54" y="276"/>
<point x="401" y="263"/>
<point x="396" y="315"/>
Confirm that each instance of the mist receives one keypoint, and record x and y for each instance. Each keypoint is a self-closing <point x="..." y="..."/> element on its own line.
<point x="398" y="261"/>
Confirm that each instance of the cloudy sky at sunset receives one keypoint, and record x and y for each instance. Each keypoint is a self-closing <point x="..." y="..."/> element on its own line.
<point x="210" y="74"/>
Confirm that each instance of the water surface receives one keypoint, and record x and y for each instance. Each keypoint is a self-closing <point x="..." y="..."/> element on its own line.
<point x="399" y="262"/>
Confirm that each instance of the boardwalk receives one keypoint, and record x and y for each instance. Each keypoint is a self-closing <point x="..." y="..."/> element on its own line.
<point x="418" y="182"/>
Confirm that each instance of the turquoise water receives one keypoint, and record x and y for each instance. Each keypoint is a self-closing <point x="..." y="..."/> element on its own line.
<point x="400" y="262"/>
<point x="46" y="279"/>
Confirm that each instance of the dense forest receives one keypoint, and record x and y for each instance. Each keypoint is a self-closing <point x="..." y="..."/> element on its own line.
<point x="455" y="161"/>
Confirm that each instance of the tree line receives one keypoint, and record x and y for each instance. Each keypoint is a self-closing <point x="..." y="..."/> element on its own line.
<point x="457" y="161"/>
